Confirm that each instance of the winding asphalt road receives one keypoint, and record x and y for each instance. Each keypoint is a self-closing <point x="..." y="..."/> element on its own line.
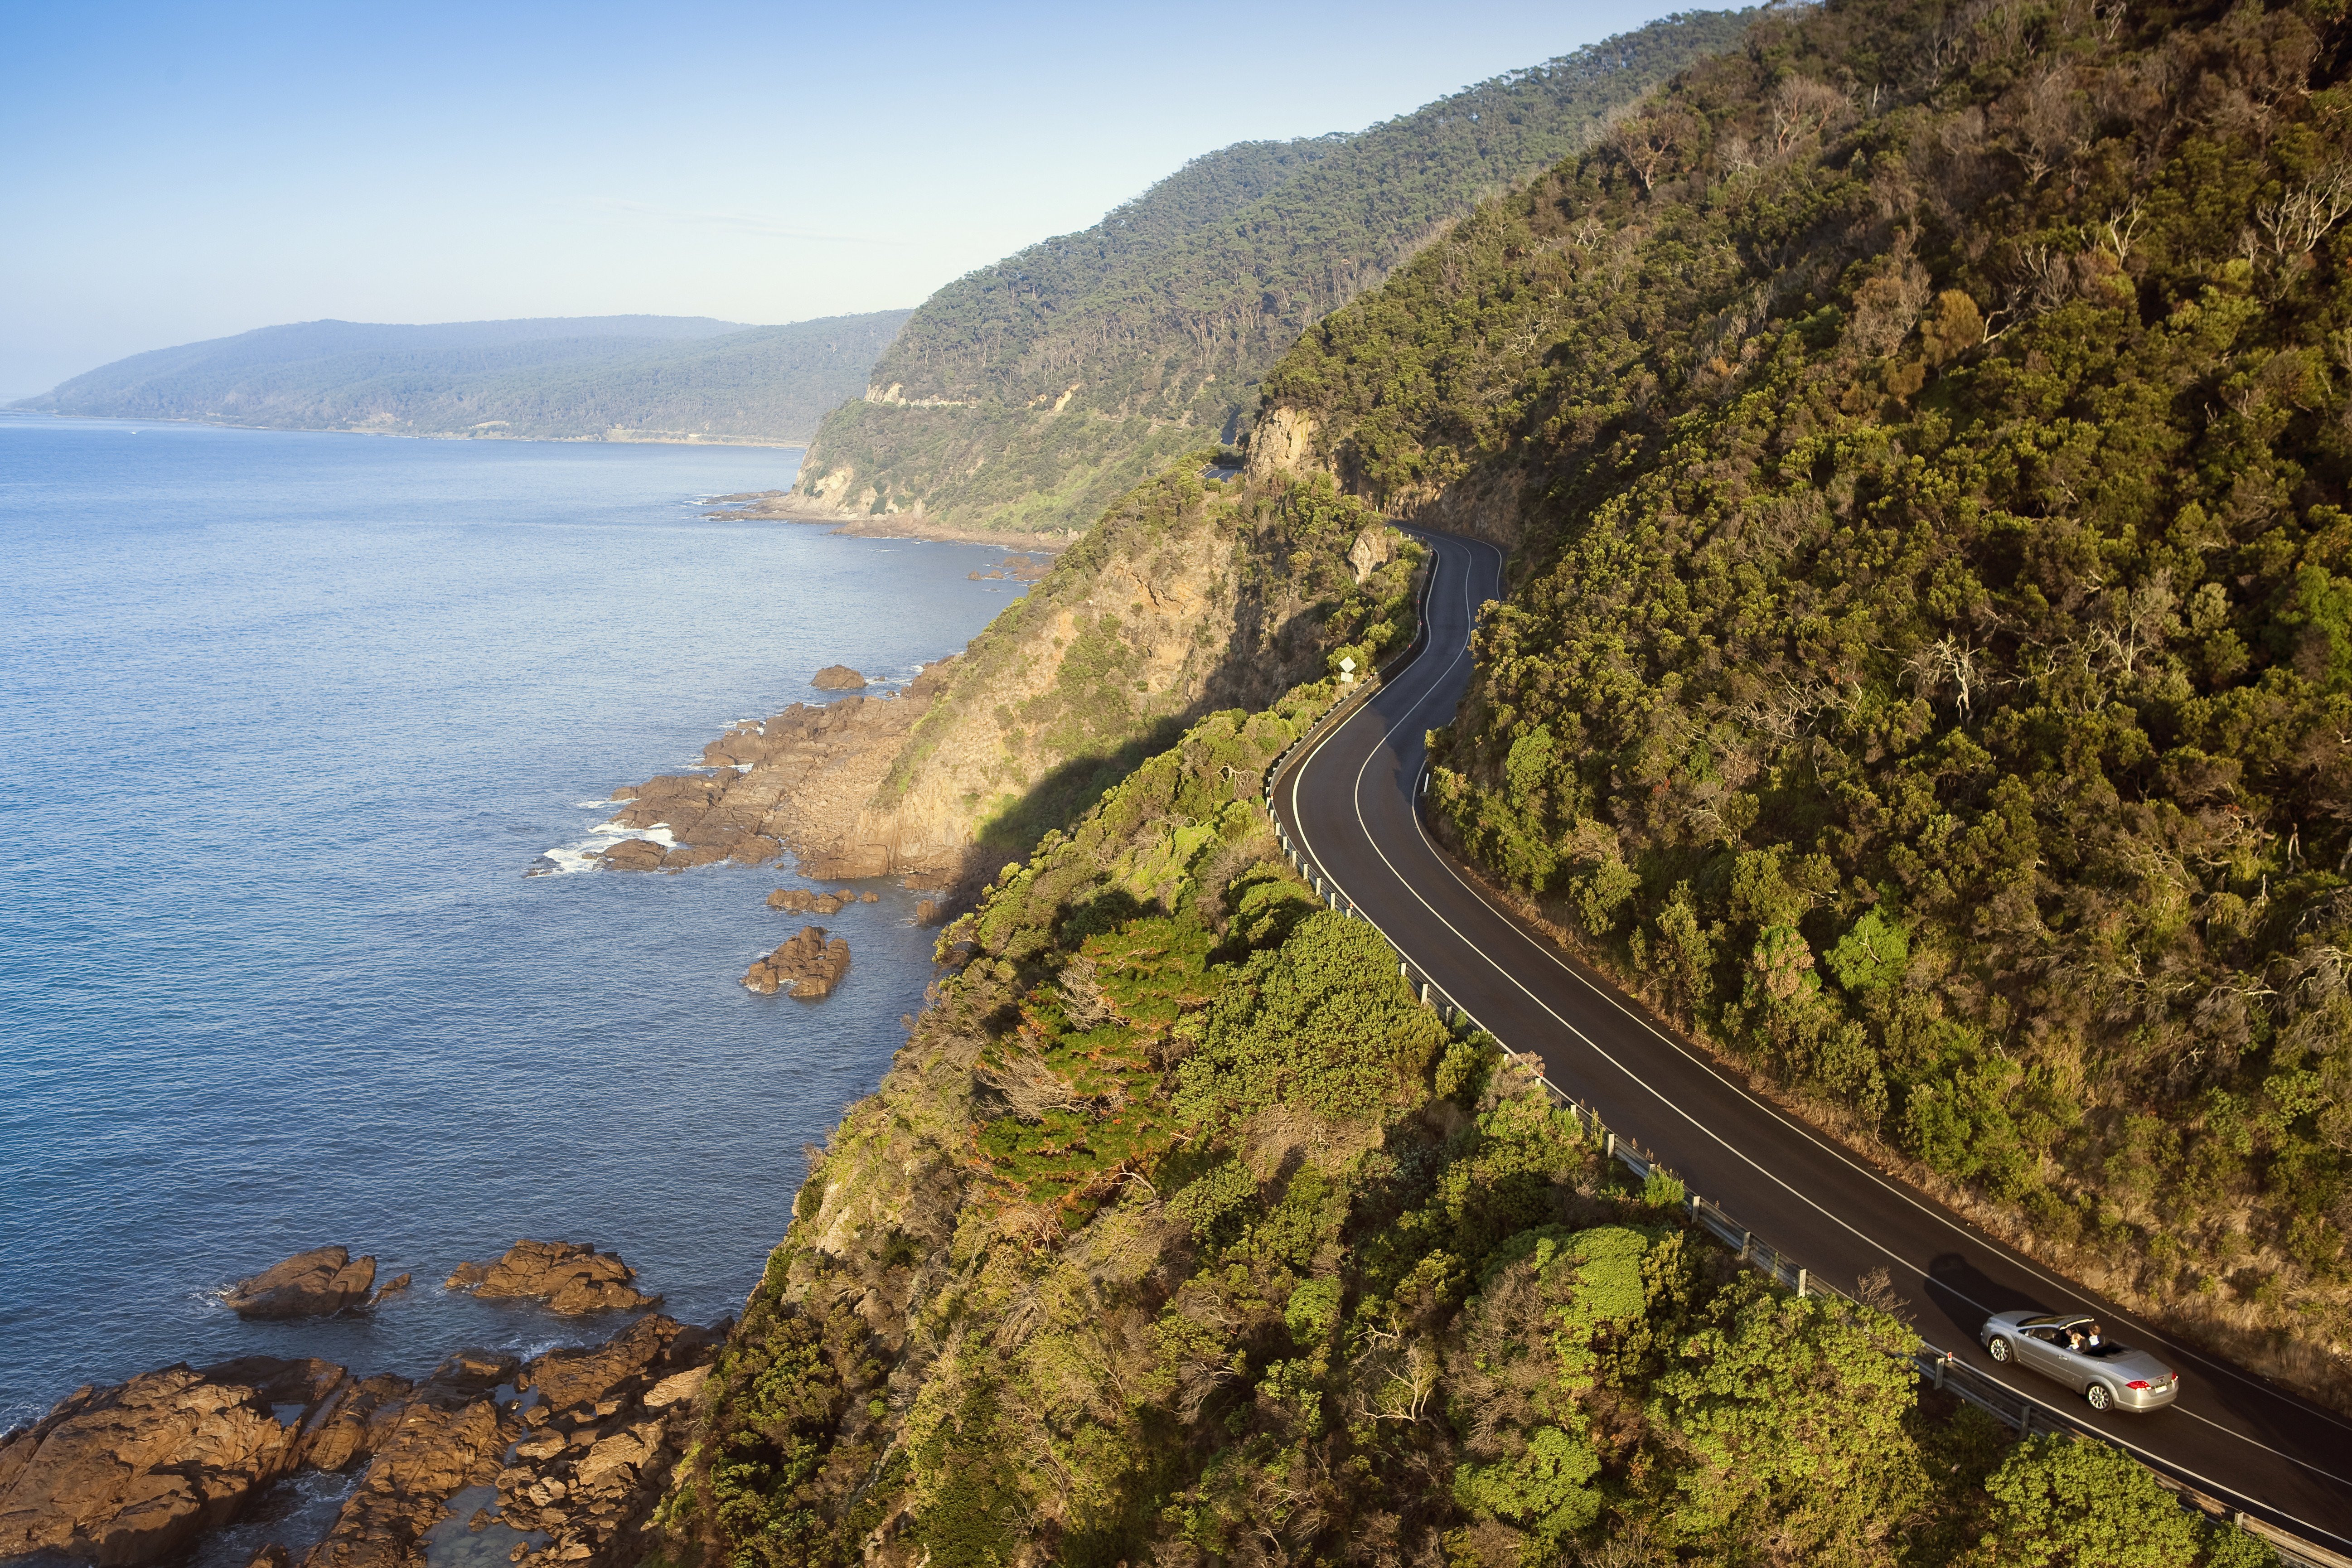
<point x="1349" y="802"/>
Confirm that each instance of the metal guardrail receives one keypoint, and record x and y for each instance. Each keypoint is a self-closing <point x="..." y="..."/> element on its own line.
<point x="1939" y="1368"/>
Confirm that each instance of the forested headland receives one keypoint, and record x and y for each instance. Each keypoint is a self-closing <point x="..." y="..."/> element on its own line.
<point x="1030" y="395"/>
<point x="1927" y="674"/>
<point x="592" y="377"/>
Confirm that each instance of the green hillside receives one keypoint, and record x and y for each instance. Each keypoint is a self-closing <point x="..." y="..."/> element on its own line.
<point x="1928" y="671"/>
<point x="641" y="377"/>
<point x="1182" y="1232"/>
<point x="1030" y="394"/>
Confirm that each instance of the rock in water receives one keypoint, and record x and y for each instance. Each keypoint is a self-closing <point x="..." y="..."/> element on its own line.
<point x="837" y="678"/>
<point x="307" y="1285"/>
<point x="569" y="1277"/>
<point x="800" y="901"/>
<point x="131" y="1474"/>
<point x="807" y="966"/>
<point x="634" y="854"/>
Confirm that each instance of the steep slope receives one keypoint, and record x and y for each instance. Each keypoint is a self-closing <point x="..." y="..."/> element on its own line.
<point x="1179" y="1233"/>
<point x="1930" y="669"/>
<point x="1189" y="595"/>
<point x="620" y="377"/>
<point x="1028" y="395"/>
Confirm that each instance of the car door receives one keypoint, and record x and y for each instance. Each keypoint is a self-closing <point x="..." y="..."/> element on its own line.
<point x="2067" y="1365"/>
<point x="2038" y="1350"/>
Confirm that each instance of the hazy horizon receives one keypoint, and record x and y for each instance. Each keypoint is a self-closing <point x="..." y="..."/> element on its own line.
<point x="195" y="177"/>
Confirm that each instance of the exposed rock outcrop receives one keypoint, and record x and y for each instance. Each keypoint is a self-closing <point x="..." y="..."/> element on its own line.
<point x="569" y="1276"/>
<point x="312" y="1284"/>
<point x="798" y="780"/>
<point x="131" y="1474"/>
<point x="607" y="1426"/>
<point x="806" y="966"/>
<point x="837" y="678"/>
<point x="448" y="1436"/>
<point x="800" y="901"/>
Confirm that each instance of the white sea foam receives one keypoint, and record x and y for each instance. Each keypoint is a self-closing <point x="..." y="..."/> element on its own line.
<point x="587" y="855"/>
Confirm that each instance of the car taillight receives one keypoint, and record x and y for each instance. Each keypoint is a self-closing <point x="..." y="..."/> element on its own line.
<point x="2139" y="1382"/>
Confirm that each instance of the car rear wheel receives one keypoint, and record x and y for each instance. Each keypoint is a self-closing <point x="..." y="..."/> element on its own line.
<point x="1998" y="1351"/>
<point x="2098" y="1396"/>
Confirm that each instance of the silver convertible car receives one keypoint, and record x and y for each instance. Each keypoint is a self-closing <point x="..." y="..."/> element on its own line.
<point x="2075" y="1351"/>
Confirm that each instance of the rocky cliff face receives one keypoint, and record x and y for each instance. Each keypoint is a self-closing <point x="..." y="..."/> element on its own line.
<point x="1189" y="596"/>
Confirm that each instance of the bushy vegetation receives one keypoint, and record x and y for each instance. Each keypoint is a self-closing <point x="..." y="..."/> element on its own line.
<point x="1030" y="394"/>
<point x="1928" y="671"/>
<point x="1181" y="1232"/>
<point x="647" y="375"/>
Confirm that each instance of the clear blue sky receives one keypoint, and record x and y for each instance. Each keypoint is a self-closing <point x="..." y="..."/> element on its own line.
<point x="186" y="172"/>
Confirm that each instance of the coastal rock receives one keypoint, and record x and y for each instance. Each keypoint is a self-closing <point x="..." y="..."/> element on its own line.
<point x="393" y="1286"/>
<point x="312" y="1284"/>
<point x="838" y="678"/>
<point x="930" y="911"/>
<point x="571" y="1278"/>
<point x="130" y="1474"/>
<point x="450" y="1435"/>
<point x="271" y="1556"/>
<point x="634" y="854"/>
<point x="359" y="1420"/>
<point x="806" y="966"/>
<point x="791" y="780"/>
<point x="800" y="901"/>
<point x="611" y="1423"/>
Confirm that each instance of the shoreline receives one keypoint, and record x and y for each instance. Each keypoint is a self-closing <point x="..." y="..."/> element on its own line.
<point x="783" y="505"/>
<point x="682" y="439"/>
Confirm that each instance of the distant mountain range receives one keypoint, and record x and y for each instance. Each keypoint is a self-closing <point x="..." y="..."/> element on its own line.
<point x="1030" y="394"/>
<point x="608" y="377"/>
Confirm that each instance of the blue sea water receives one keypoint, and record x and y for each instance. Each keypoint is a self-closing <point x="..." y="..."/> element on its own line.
<point x="284" y="720"/>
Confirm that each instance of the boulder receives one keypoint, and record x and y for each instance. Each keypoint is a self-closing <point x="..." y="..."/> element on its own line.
<point x="571" y="1278"/>
<point x="929" y="911"/>
<point x="312" y="1284"/>
<point x="806" y="966"/>
<point x="837" y="678"/>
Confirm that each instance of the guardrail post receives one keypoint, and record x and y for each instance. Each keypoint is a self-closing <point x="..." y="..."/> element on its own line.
<point x="1609" y="1146"/>
<point x="1746" y="1241"/>
<point x="1425" y="993"/>
<point x="1800" y="1281"/>
<point x="1941" y="1362"/>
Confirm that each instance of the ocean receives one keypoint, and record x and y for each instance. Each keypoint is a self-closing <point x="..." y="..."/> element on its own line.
<point x="285" y="719"/>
